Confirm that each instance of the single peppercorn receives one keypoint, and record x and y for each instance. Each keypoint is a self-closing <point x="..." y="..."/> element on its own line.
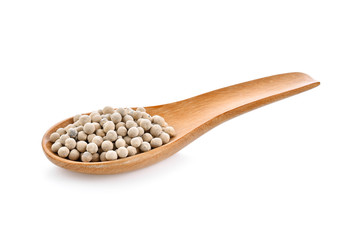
<point x="92" y="148"/>
<point x="74" y="155"/>
<point x="70" y="143"/>
<point x="156" y="142"/>
<point x="145" y="146"/>
<point x="122" y="152"/>
<point x="111" y="155"/>
<point x="86" y="157"/>
<point x="54" y="136"/>
<point x="63" y="152"/>
<point x="107" y="145"/>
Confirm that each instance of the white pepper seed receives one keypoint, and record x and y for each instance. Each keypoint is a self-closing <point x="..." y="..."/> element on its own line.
<point x="107" y="145"/>
<point x="146" y="124"/>
<point x="76" y="124"/>
<point x="136" y="142"/>
<point x="76" y="117"/>
<point x="156" y="130"/>
<point x="79" y="129"/>
<point x="170" y="130"/>
<point x="108" y="110"/>
<point x="56" y="146"/>
<point x="97" y="125"/>
<point x="95" y="157"/>
<point x="84" y="119"/>
<point x="137" y="115"/>
<point x="133" y="132"/>
<point x="130" y="124"/>
<point x="72" y="132"/>
<point x="111" y="155"/>
<point x="156" y="142"/>
<point x="63" y="138"/>
<point x="103" y="157"/>
<point x="127" y="140"/>
<point x="67" y="128"/>
<point x="127" y="118"/>
<point x="147" y="137"/>
<point x="90" y="137"/>
<point x="131" y="150"/>
<point x="108" y="126"/>
<point x="96" y="118"/>
<point x="70" y="143"/>
<point x="74" y="155"/>
<point x="54" y="136"/>
<point x="122" y="152"/>
<point x="158" y="120"/>
<point x="97" y="140"/>
<point x="141" y="131"/>
<point x="91" y="148"/>
<point x="89" y="128"/>
<point x="145" y="146"/>
<point x="122" y="131"/>
<point x="81" y="146"/>
<point x="82" y="136"/>
<point x="103" y="121"/>
<point x="111" y="135"/>
<point x="146" y="116"/>
<point x="121" y="111"/>
<point x="86" y="157"/>
<point x="120" y="143"/>
<point x="61" y="131"/>
<point x="100" y="133"/>
<point x="120" y="124"/>
<point x="165" y="137"/>
<point x="63" y="152"/>
<point x="141" y="109"/>
<point x="116" y="117"/>
<point x="100" y="111"/>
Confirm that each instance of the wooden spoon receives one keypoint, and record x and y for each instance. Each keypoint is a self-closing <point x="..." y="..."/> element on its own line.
<point x="193" y="117"/>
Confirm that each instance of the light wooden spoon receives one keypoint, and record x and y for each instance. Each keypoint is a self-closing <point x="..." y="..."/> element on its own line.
<point x="193" y="117"/>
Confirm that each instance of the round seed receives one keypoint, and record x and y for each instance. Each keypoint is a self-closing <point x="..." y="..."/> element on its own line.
<point x="89" y="128"/>
<point x="145" y="146"/>
<point x="156" y="130"/>
<point x="76" y="117"/>
<point x="156" y="142"/>
<point x="107" y="145"/>
<point x="84" y="119"/>
<point x="86" y="157"/>
<point x="72" y="132"/>
<point x="136" y="142"/>
<point x="82" y="136"/>
<point x="131" y="150"/>
<point x="63" y="138"/>
<point x="146" y="124"/>
<point x="170" y="130"/>
<point x="130" y="124"/>
<point x="127" y="118"/>
<point x="111" y="135"/>
<point x="141" y="109"/>
<point x="127" y="139"/>
<point x="103" y="157"/>
<point x="61" y="131"/>
<point x="95" y="157"/>
<point x="92" y="148"/>
<point x="111" y="155"/>
<point x="63" y="152"/>
<point x="56" y="146"/>
<point x="54" y="136"/>
<point x="70" y="143"/>
<point x="147" y="137"/>
<point x="133" y="132"/>
<point x="100" y="133"/>
<point x="81" y="146"/>
<point x="141" y="131"/>
<point x="120" y="143"/>
<point x="165" y="137"/>
<point x="121" y="111"/>
<point x="122" y="131"/>
<point x="90" y="137"/>
<point x="108" y="126"/>
<point x="108" y="110"/>
<point x="74" y="155"/>
<point x="97" y="140"/>
<point x="116" y="117"/>
<point x="122" y="152"/>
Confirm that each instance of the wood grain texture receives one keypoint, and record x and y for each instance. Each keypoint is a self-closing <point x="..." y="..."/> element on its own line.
<point x="193" y="117"/>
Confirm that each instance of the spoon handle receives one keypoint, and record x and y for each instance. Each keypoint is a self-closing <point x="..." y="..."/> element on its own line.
<point x="203" y="112"/>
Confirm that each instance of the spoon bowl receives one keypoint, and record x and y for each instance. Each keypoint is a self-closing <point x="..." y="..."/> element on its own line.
<point x="191" y="118"/>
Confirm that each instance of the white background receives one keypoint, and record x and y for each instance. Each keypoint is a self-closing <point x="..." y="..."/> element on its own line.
<point x="285" y="171"/>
